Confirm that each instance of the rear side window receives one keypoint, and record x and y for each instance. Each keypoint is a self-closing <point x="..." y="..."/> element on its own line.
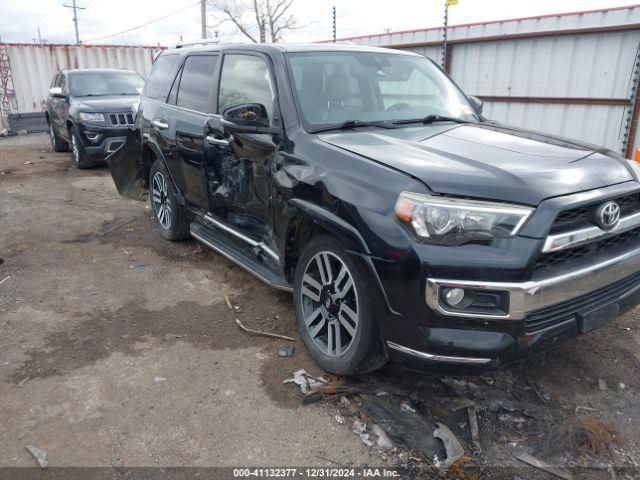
<point x="194" y="92"/>
<point x="159" y="75"/>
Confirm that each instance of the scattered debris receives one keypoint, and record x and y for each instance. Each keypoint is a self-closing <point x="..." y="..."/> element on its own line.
<point x="402" y="428"/>
<point x="360" y="429"/>
<point x="286" y="351"/>
<point x="159" y="379"/>
<point x="452" y="446"/>
<point x="22" y="132"/>
<point x="137" y="266"/>
<point x="547" y="467"/>
<point x="384" y="441"/>
<point x="306" y="383"/>
<point x="255" y="332"/>
<point x="5" y="279"/>
<point x="473" y="427"/>
<point x="581" y="436"/>
<point x="458" y="403"/>
<point x="339" y="418"/>
<point x="23" y="381"/>
<point x="266" y="334"/>
<point x="405" y="407"/>
<point x="621" y="387"/>
<point x="602" y="385"/>
<point x="589" y="409"/>
<point x="39" y="454"/>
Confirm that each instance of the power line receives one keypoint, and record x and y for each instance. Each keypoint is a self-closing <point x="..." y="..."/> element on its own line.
<point x="147" y="23"/>
<point x="75" y="17"/>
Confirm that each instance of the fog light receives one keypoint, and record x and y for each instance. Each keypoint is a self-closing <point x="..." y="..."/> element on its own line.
<point x="454" y="297"/>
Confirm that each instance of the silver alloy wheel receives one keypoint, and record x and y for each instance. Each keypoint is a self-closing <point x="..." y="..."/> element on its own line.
<point x="161" y="202"/>
<point x="329" y="304"/>
<point x="75" y="149"/>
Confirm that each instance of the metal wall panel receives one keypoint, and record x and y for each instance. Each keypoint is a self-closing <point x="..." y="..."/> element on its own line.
<point x="598" y="124"/>
<point x="546" y="62"/>
<point x="33" y="66"/>
<point x="606" y="18"/>
<point x="596" y="65"/>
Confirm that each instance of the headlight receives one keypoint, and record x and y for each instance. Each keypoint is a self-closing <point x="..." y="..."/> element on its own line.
<point x="452" y="221"/>
<point x="91" y="117"/>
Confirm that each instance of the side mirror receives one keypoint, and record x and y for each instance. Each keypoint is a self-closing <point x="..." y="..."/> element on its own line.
<point x="247" y="118"/>
<point x="56" y="92"/>
<point x="476" y="102"/>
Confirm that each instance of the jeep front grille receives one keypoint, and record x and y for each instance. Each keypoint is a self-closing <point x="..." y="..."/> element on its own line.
<point x="121" y="119"/>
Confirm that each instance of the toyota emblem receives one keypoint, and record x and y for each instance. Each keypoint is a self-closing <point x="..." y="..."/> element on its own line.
<point x="608" y="215"/>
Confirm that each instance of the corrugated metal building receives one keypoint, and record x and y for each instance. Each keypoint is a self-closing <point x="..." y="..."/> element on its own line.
<point x="26" y="69"/>
<point x="572" y="74"/>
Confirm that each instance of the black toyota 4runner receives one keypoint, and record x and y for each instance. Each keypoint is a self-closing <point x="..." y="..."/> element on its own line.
<point x="367" y="183"/>
<point x="91" y="110"/>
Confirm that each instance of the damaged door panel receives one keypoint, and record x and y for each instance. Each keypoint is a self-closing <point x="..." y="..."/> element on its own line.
<point x="127" y="168"/>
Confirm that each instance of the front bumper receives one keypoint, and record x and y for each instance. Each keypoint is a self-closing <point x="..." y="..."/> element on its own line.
<point x="101" y="141"/>
<point x="542" y="313"/>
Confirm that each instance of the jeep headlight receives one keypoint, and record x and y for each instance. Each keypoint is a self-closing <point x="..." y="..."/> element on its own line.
<point x="91" y="117"/>
<point x="453" y="221"/>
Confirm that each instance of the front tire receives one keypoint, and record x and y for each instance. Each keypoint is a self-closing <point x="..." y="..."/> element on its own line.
<point x="333" y="309"/>
<point x="169" y="214"/>
<point x="80" y="158"/>
<point x="58" y="144"/>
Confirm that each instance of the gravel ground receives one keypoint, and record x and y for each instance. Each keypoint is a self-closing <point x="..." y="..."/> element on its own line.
<point x="117" y="348"/>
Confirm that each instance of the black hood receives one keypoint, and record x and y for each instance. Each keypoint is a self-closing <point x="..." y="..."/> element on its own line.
<point x="487" y="161"/>
<point x="107" y="103"/>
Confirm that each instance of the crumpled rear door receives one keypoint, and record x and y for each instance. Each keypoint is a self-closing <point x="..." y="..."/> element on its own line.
<point x="127" y="168"/>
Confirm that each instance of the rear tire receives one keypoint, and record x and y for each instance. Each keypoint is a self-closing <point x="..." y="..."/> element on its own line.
<point x="58" y="144"/>
<point x="333" y="309"/>
<point x="80" y="158"/>
<point x="170" y="215"/>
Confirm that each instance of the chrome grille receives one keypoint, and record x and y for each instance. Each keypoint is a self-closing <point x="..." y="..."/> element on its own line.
<point x="121" y="119"/>
<point x="582" y="217"/>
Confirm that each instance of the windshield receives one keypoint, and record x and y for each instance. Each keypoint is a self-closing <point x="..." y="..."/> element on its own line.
<point x="82" y="84"/>
<point x="334" y="87"/>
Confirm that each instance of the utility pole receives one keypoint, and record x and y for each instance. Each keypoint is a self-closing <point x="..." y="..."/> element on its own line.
<point x="75" y="18"/>
<point x="447" y="4"/>
<point x="263" y="30"/>
<point x="203" y="17"/>
<point x="334" y="24"/>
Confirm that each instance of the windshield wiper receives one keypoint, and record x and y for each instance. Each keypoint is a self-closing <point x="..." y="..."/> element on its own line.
<point x="349" y="124"/>
<point x="431" y="119"/>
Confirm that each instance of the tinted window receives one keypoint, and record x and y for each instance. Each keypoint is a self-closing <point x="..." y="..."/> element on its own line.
<point x="196" y="82"/>
<point x="162" y="68"/>
<point x="333" y="87"/>
<point x="82" y="84"/>
<point x="245" y="79"/>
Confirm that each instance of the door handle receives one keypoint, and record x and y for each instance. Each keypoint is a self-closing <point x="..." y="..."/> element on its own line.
<point x="213" y="140"/>
<point x="160" y="125"/>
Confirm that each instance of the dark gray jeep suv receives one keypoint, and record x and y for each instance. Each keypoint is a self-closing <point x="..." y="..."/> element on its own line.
<point x="367" y="183"/>
<point x="91" y="111"/>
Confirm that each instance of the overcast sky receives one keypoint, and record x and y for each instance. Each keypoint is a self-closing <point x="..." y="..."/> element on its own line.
<point x="101" y="18"/>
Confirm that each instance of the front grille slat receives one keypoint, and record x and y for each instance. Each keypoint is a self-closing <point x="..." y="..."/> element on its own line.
<point x="121" y="119"/>
<point x="554" y="258"/>
<point x="567" y="311"/>
<point x="584" y="217"/>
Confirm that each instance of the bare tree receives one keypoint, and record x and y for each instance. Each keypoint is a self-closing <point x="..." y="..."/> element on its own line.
<point x="258" y="20"/>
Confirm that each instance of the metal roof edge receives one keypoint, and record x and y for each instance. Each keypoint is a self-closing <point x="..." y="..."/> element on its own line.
<point x="490" y="22"/>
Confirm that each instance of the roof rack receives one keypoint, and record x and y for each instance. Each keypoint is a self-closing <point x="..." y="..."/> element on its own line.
<point x="199" y="42"/>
